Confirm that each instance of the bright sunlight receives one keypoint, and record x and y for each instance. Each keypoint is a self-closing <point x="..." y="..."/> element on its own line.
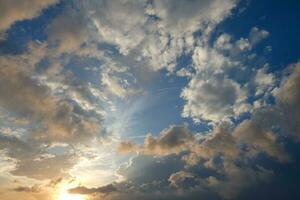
<point x="67" y="196"/>
<point x="63" y="194"/>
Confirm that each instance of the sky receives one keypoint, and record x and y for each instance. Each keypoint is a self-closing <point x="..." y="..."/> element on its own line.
<point x="149" y="99"/>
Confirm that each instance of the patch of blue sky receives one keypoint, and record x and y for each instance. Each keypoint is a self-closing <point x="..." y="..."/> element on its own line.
<point x="161" y="107"/>
<point x="20" y="33"/>
<point x="278" y="18"/>
<point x="85" y="69"/>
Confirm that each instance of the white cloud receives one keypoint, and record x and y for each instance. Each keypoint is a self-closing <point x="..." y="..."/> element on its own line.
<point x="257" y="35"/>
<point x="214" y="99"/>
<point x="157" y="32"/>
<point x="264" y="81"/>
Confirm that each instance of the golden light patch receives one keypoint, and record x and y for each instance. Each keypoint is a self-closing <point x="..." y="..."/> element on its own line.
<point x="67" y="196"/>
<point x="63" y="194"/>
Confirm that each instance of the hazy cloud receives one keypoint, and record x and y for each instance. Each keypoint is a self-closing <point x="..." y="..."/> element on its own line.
<point x="103" y="190"/>
<point x="15" y="10"/>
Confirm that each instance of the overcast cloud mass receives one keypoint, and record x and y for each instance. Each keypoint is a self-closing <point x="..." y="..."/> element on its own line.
<point x="149" y="100"/>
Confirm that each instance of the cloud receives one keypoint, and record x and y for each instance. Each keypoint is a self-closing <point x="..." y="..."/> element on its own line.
<point x="257" y="35"/>
<point x="24" y="95"/>
<point x="264" y="81"/>
<point x="45" y="168"/>
<point x="289" y="93"/>
<point x="182" y="179"/>
<point x="219" y="142"/>
<point x="53" y="108"/>
<point x="31" y="160"/>
<point x="157" y="168"/>
<point x="61" y="105"/>
<point x="234" y="183"/>
<point x="155" y="32"/>
<point x="33" y="189"/>
<point x="55" y="182"/>
<point x="287" y="112"/>
<point x="68" y="31"/>
<point x="103" y="190"/>
<point x="284" y="114"/>
<point x="172" y="140"/>
<point x="216" y="91"/>
<point x="127" y="147"/>
<point x="15" y="10"/>
<point x="214" y="99"/>
<point x="254" y="135"/>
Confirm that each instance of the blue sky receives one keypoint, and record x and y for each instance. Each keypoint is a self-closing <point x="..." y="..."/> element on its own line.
<point x="149" y="99"/>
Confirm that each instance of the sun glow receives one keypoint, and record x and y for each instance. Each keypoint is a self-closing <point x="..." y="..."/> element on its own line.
<point x="63" y="194"/>
<point x="67" y="196"/>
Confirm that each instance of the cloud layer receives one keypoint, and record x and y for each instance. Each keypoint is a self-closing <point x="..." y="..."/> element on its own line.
<point x="142" y="100"/>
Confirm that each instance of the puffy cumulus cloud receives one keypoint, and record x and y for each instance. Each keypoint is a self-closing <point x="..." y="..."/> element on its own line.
<point x="189" y="16"/>
<point x="216" y="91"/>
<point x="226" y="43"/>
<point x="289" y="93"/>
<point x="172" y="140"/>
<point x="223" y="157"/>
<point x="15" y="10"/>
<point x="119" y="23"/>
<point x="24" y="95"/>
<point x="285" y="113"/>
<point x="219" y="142"/>
<point x="230" y="154"/>
<point x="206" y="59"/>
<point x="158" y="178"/>
<point x="264" y="81"/>
<point x="153" y="31"/>
<point x="215" y="99"/>
<point x="177" y="22"/>
<point x="246" y="141"/>
<point x="234" y="183"/>
<point x="229" y="186"/>
<point x="253" y="134"/>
